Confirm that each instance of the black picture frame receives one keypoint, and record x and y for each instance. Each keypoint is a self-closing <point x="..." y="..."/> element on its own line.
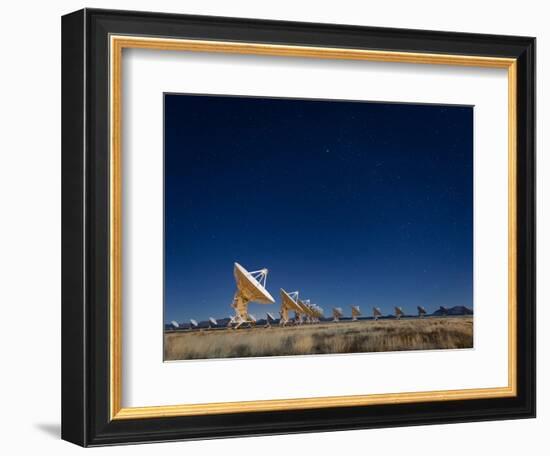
<point x="85" y="225"/>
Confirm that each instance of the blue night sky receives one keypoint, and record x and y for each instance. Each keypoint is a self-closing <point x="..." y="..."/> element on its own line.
<point x="351" y="203"/>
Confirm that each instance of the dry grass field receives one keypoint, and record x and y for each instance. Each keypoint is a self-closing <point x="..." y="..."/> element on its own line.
<point x="344" y="337"/>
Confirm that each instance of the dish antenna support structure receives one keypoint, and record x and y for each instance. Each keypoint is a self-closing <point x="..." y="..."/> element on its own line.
<point x="399" y="312"/>
<point x="355" y="312"/>
<point x="251" y="287"/>
<point x="376" y="313"/>
<point x="421" y="311"/>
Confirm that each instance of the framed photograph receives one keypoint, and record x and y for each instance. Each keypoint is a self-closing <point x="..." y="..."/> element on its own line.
<point x="276" y="227"/>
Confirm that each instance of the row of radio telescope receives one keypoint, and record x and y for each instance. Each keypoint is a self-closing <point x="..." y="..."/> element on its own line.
<point x="251" y="287"/>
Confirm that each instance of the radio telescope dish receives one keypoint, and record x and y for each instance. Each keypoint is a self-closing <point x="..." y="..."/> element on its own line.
<point x="355" y="312"/>
<point x="309" y="308"/>
<point x="376" y="312"/>
<point x="212" y="322"/>
<point x="317" y="312"/>
<point x="250" y="288"/>
<point x="175" y="324"/>
<point x="307" y="315"/>
<point x="289" y="302"/>
<point x="306" y="305"/>
<point x="194" y="323"/>
<point x="268" y="320"/>
<point x="421" y="311"/>
<point x="399" y="312"/>
<point x="337" y="313"/>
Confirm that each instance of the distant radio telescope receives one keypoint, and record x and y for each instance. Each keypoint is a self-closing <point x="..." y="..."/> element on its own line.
<point x="250" y="288"/>
<point x="399" y="312"/>
<point x="313" y="311"/>
<point x="337" y="313"/>
<point x="376" y="312"/>
<point x="310" y="313"/>
<point x="318" y="312"/>
<point x="212" y="322"/>
<point x="355" y="312"/>
<point x="194" y="324"/>
<point x="269" y="320"/>
<point x="289" y="303"/>
<point x="421" y="311"/>
<point x="175" y="324"/>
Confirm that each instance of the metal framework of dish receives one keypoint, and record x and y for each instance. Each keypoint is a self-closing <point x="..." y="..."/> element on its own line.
<point x="337" y="313"/>
<point x="251" y="287"/>
<point x="376" y="312"/>
<point x="399" y="312"/>
<point x="355" y="312"/>
<point x="421" y="311"/>
<point x="289" y="303"/>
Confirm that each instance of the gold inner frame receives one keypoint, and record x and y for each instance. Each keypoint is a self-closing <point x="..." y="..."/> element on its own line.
<point x="117" y="44"/>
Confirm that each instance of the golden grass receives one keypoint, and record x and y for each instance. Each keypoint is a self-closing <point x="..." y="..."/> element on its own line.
<point x="344" y="337"/>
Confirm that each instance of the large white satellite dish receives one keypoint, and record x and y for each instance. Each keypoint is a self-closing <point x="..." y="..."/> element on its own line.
<point x="250" y="288"/>
<point x="289" y="302"/>
<point x="421" y="311"/>
<point x="355" y="312"/>
<point x="194" y="323"/>
<point x="399" y="312"/>
<point x="175" y="324"/>
<point x="212" y="322"/>
<point x="337" y="313"/>
<point x="376" y="312"/>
